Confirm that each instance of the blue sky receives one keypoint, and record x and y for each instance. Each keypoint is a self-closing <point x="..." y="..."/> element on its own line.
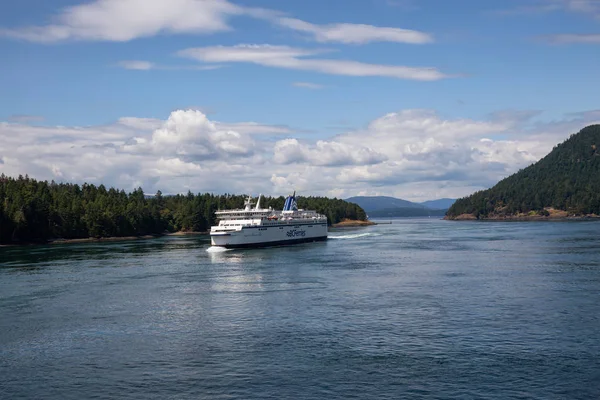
<point x="307" y="87"/>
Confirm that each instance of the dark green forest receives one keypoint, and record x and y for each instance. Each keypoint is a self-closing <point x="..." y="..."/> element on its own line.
<point x="567" y="179"/>
<point x="38" y="211"/>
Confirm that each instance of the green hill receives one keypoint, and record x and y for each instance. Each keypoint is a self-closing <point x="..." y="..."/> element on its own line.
<point x="566" y="182"/>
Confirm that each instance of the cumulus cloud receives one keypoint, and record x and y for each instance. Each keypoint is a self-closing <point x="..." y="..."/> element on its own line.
<point x="355" y="33"/>
<point x="413" y="154"/>
<point x="324" y="153"/>
<point x="124" y="20"/>
<point x="185" y="151"/>
<point x="175" y="167"/>
<point x="191" y="136"/>
<point x="420" y="150"/>
<point x="299" y="59"/>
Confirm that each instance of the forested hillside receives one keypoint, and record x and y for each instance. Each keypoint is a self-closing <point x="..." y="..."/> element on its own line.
<point x="32" y="211"/>
<point x="567" y="179"/>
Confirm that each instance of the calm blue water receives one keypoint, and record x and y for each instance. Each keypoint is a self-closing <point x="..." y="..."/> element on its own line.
<point x="421" y="308"/>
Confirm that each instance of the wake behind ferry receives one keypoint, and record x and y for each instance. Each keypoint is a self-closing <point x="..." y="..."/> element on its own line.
<point x="253" y="226"/>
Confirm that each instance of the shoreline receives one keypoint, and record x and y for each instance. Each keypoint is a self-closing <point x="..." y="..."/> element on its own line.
<point x="524" y="218"/>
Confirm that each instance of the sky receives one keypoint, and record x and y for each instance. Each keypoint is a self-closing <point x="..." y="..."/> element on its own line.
<point x="417" y="99"/>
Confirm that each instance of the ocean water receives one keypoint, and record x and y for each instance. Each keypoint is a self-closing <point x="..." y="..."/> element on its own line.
<point x="420" y="309"/>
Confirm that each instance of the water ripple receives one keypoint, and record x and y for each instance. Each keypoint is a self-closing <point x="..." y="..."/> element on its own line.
<point x="419" y="309"/>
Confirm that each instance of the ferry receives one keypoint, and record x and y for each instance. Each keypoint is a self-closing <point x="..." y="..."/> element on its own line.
<point x="254" y="226"/>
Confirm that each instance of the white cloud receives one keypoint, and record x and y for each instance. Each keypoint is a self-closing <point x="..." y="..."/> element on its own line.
<point x="413" y="154"/>
<point x="324" y="153"/>
<point x="355" y="33"/>
<point x="124" y="20"/>
<point x="264" y="54"/>
<point x="173" y="167"/>
<point x="190" y="135"/>
<point x="308" y="85"/>
<point x="185" y="151"/>
<point x="296" y="58"/>
<point x="425" y="156"/>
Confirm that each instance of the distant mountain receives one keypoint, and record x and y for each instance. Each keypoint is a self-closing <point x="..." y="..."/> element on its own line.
<point x="373" y="203"/>
<point x="406" y="212"/>
<point x="440" y="204"/>
<point x="566" y="182"/>
<point x="391" y="207"/>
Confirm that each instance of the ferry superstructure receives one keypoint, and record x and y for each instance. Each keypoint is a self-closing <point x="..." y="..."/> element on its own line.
<point x="253" y="226"/>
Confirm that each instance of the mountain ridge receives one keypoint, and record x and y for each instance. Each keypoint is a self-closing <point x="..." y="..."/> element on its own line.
<point x="390" y="207"/>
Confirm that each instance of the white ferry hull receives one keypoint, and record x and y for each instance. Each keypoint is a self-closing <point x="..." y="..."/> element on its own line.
<point x="262" y="236"/>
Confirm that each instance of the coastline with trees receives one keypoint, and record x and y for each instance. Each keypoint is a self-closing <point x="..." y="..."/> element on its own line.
<point x="33" y="211"/>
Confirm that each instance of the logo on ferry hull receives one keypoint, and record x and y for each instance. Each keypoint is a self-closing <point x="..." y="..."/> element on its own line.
<point x="295" y="233"/>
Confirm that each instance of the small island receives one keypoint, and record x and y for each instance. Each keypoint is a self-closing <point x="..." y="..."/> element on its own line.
<point x="565" y="184"/>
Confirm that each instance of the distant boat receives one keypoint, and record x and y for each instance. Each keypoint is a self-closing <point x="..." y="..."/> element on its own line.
<point x="261" y="227"/>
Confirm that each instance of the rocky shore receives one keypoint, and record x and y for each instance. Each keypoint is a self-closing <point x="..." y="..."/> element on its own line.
<point x="549" y="214"/>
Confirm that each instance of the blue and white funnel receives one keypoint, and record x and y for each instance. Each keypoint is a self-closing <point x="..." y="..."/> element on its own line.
<point x="290" y="203"/>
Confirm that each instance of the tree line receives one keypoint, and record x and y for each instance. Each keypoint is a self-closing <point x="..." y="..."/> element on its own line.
<point x="568" y="179"/>
<point x="37" y="211"/>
